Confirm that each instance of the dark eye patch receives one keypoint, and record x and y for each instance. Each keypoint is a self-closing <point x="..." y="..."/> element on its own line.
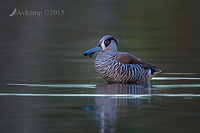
<point x="112" y="38"/>
<point x="107" y="42"/>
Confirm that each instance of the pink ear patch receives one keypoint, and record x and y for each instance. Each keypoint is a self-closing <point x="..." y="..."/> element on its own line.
<point x="112" y="40"/>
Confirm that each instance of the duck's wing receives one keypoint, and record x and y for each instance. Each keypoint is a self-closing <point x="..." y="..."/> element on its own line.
<point x="127" y="58"/>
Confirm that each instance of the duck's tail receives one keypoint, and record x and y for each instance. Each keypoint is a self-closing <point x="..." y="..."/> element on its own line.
<point x="154" y="72"/>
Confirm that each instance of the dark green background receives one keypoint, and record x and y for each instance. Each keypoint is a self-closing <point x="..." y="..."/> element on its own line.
<point x="48" y="50"/>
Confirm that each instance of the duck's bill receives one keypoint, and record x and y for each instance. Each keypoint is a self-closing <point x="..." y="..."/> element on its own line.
<point x="92" y="51"/>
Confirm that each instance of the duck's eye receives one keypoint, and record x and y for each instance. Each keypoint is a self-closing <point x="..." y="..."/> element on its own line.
<point x="107" y="42"/>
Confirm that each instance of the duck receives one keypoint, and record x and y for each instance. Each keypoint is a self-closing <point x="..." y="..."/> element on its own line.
<point x="120" y="67"/>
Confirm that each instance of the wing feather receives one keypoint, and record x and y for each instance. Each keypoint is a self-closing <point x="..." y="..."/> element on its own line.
<point x="127" y="58"/>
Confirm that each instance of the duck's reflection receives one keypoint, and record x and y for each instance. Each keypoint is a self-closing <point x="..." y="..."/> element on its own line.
<point x="108" y="109"/>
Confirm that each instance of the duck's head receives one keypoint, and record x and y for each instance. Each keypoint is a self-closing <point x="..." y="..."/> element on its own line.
<point x="107" y="43"/>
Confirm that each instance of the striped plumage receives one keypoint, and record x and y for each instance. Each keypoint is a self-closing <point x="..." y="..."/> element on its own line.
<point x="120" y="67"/>
<point x="114" y="71"/>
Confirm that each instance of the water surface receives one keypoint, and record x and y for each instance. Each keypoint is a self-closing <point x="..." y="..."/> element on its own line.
<point x="47" y="85"/>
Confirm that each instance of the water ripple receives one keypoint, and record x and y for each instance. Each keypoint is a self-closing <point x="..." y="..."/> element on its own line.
<point x="178" y="86"/>
<point x="180" y="73"/>
<point x="174" y="78"/>
<point x="56" y="85"/>
<point x="100" y="95"/>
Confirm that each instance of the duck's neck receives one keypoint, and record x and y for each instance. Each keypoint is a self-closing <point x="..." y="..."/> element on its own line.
<point x="106" y="55"/>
